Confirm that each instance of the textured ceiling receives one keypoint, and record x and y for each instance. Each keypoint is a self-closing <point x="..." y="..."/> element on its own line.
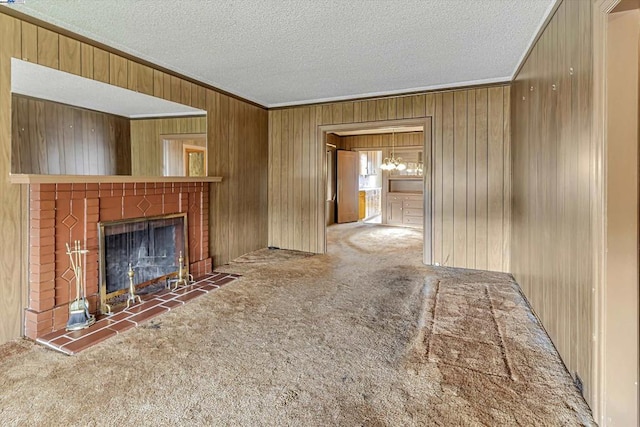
<point x="284" y="52"/>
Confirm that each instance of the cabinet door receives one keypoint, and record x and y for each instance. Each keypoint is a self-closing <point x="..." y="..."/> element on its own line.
<point x="394" y="212"/>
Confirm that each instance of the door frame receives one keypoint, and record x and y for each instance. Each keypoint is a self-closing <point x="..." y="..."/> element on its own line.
<point x="602" y="348"/>
<point x="188" y="149"/>
<point x="427" y="145"/>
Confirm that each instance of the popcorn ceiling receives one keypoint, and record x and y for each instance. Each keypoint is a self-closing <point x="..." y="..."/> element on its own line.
<point x="279" y="52"/>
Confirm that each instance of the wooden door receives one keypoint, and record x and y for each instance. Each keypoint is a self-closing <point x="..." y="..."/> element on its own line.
<point x="347" y="186"/>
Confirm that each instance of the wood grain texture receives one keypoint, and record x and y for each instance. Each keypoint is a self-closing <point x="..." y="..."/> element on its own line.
<point x="118" y="71"/>
<point x="13" y="218"/>
<point x="147" y="151"/>
<point x="53" y="138"/>
<point x="48" y="46"/>
<point x="409" y="139"/>
<point x="101" y="68"/>
<point x="461" y="191"/>
<point x="70" y="55"/>
<point x="551" y="242"/>
<point x="238" y="217"/>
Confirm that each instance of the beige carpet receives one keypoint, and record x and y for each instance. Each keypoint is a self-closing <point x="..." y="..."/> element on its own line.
<point x="365" y="335"/>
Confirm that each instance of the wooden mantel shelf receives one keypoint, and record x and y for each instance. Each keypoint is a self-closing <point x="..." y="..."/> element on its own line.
<point x="90" y="179"/>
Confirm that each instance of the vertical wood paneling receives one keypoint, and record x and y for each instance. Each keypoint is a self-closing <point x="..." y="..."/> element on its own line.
<point x="146" y="141"/>
<point x="382" y="109"/>
<point x="298" y="176"/>
<point x="408" y="106"/>
<point x="70" y="55"/>
<point x="101" y="68"/>
<point x="291" y="176"/>
<point x="52" y="138"/>
<point x="418" y="107"/>
<point x="29" y="42"/>
<point x="319" y="172"/>
<point x="48" y="48"/>
<point x="460" y="178"/>
<point x="12" y="215"/>
<point x="436" y="193"/>
<point x="409" y="139"/>
<point x="506" y="180"/>
<point x="118" y="71"/>
<point x="563" y="115"/>
<point x="140" y="78"/>
<point x="158" y="87"/>
<point x="185" y="92"/>
<point x="246" y="176"/>
<point x="470" y="238"/>
<point x="275" y="185"/>
<point x="305" y="189"/>
<point x="551" y="242"/>
<point x="285" y="166"/>
<point x="460" y="195"/>
<point x="86" y="60"/>
<point x="347" y="112"/>
<point x="448" y="214"/>
<point x="495" y="177"/>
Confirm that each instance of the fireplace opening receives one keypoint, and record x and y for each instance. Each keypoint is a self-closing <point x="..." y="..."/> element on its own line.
<point x="150" y="246"/>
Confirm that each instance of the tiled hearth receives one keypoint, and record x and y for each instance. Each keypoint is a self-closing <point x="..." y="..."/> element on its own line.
<point x="152" y="305"/>
<point x="62" y="213"/>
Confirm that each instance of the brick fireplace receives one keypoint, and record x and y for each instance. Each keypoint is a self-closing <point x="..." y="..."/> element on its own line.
<point x="63" y="213"/>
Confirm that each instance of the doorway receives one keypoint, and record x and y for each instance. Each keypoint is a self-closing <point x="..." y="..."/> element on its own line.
<point x="374" y="185"/>
<point x="184" y="154"/>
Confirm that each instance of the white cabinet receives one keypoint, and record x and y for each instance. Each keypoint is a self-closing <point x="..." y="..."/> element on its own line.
<point x="405" y="209"/>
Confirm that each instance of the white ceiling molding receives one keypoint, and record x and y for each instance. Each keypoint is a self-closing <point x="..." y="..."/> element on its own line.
<point x="37" y="81"/>
<point x="290" y="52"/>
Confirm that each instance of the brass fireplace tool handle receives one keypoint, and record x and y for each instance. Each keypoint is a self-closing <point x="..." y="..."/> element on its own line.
<point x="132" y="290"/>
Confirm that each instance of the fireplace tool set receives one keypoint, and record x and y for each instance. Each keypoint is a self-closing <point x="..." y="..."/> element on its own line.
<point x="79" y="317"/>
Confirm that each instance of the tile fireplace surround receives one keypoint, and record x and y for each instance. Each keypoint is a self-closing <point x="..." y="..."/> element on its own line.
<point x="63" y="213"/>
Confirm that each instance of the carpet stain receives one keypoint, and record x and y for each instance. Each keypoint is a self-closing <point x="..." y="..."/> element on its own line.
<point x="365" y="335"/>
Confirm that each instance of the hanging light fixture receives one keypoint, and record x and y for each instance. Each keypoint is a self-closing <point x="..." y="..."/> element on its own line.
<point x="393" y="163"/>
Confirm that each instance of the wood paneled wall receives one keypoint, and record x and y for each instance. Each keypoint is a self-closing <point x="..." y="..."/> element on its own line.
<point x="471" y="171"/>
<point x="236" y="135"/>
<point x="553" y="179"/>
<point x="53" y="138"/>
<point x="410" y="139"/>
<point x="13" y="212"/>
<point x="146" y="143"/>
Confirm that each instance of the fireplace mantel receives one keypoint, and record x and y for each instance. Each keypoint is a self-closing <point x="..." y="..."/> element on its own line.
<point x="64" y="212"/>
<point x="97" y="179"/>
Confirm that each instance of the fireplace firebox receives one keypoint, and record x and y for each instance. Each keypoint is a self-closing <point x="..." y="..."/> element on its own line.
<point x="151" y="246"/>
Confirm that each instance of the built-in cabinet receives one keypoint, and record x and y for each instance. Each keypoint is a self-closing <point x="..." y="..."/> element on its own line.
<point x="405" y="209"/>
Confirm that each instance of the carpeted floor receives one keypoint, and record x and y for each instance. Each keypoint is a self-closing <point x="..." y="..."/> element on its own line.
<point x="365" y="335"/>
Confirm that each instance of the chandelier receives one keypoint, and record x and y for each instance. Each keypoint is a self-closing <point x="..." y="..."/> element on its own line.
<point x="393" y="163"/>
